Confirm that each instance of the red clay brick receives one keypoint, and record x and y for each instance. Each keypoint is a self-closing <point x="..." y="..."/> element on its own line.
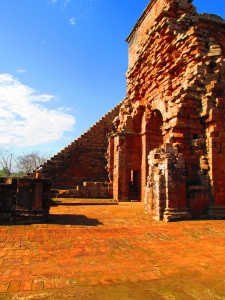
<point x="37" y="285"/>
<point x="26" y="285"/>
<point x="4" y="287"/>
<point x="151" y="275"/>
<point x="14" y="286"/>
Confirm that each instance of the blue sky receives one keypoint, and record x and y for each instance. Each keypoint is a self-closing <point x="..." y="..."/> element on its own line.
<point x="63" y="65"/>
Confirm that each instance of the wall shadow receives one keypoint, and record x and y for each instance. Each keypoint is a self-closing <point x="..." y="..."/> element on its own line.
<point x="68" y="219"/>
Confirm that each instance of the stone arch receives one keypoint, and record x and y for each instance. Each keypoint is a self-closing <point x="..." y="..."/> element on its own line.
<point x="159" y="104"/>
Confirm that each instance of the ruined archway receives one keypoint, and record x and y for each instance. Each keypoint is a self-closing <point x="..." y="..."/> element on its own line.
<point x="151" y="138"/>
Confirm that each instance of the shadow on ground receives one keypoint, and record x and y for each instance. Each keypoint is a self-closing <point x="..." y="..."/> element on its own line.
<point x="81" y="201"/>
<point x="68" y="219"/>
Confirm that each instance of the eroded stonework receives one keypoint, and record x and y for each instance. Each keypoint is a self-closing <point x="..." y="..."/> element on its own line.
<point x="24" y="200"/>
<point x="168" y="144"/>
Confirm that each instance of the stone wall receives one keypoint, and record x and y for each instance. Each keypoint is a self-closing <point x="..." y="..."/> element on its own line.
<point x="24" y="200"/>
<point x="175" y="96"/>
<point x="84" y="159"/>
<point x="138" y="34"/>
<point x="89" y="190"/>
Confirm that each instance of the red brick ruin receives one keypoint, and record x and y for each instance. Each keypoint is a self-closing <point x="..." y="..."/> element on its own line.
<point x="24" y="200"/>
<point x="165" y="143"/>
<point x="167" y="147"/>
<point x="169" y="139"/>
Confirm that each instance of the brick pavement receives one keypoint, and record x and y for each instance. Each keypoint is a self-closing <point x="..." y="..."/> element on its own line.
<point x="112" y="252"/>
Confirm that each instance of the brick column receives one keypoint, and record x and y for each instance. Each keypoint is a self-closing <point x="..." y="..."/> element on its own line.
<point x="166" y="187"/>
<point x="120" y="173"/>
<point x="216" y="160"/>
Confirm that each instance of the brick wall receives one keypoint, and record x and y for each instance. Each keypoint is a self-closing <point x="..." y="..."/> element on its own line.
<point x="84" y="159"/>
<point x="140" y="31"/>
<point x="24" y="200"/>
<point x="177" y="70"/>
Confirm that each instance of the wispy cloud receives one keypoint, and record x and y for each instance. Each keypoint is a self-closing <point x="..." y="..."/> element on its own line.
<point x="21" y="71"/>
<point x="72" y="21"/>
<point x="24" y="120"/>
<point x="66" y="2"/>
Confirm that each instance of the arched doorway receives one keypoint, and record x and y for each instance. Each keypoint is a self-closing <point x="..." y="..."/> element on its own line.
<point x="151" y="138"/>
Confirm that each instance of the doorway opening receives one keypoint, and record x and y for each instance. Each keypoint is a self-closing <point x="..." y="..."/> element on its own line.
<point x="134" y="185"/>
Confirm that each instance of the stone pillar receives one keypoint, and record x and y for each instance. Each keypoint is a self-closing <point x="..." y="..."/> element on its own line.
<point x="166" y="187"/>
<point x="216" y="154"/>
<point x="144" y="162"/>
<point x="155" y="193"/>
<point x="127" y="159"/>
<point x="120" y="173"/>
<point x="175" y="179"/>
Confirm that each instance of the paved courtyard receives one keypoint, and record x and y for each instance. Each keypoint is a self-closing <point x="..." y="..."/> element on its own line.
<point x="112" y="252"/>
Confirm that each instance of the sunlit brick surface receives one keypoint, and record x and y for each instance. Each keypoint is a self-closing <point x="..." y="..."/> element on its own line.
<point x="109" y="252"/>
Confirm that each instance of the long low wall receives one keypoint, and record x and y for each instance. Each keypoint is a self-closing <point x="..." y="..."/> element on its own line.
<point x="100" y="190"/>
<point x="24" y="200"/>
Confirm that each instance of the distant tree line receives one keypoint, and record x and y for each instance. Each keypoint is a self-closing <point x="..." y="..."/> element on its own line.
<point x="19" y="165"/>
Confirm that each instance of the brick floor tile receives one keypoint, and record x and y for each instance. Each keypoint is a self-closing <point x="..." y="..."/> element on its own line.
<point x="14" y="286"/>
<point x="128" y="249"/>
<point x="94" y="268"/>
<point x="133" y="277"/>
<point x="92" y="280"/>
<point x="25" y="271"/>
<point x="2" y="253"/>
<point x="151" y="275"/>
<point x="15" y="273"/>
<point x="72" y="282"/>
<point x="49" y="283"/>
<point x="169" y="272"/>
<point x="26" y="285"/>
<point x="71" y="275"/>
<point x="111" y="272"/>
<point x="2" y="244"/>
<point x="102" y="268"/>
<point x="4" y="287"/>
<point x="60" y="283"/>
<point x="37" y="271"/>
<point x="84" y="269"/>
<point x="82" y="281"/>
<point x="6" y="271"/>
<point x="104" y="279"/>
<point x="37" y="285"/>
<point x="142" y="276"/>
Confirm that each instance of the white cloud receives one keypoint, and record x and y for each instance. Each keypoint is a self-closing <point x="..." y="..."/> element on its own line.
<point x="66" y="2"/>
<point x="21" y="71"/>
<point x="61" y="108"/>
<point x="72" y="21"/>
<point x="24" y="120"/>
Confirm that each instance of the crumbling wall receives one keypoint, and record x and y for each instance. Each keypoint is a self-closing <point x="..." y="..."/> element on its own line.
<point x="84" y="159"/>
<point x="138" y="34"/>
<point x="177" y="69"/>
<point x="24" y="200"/>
